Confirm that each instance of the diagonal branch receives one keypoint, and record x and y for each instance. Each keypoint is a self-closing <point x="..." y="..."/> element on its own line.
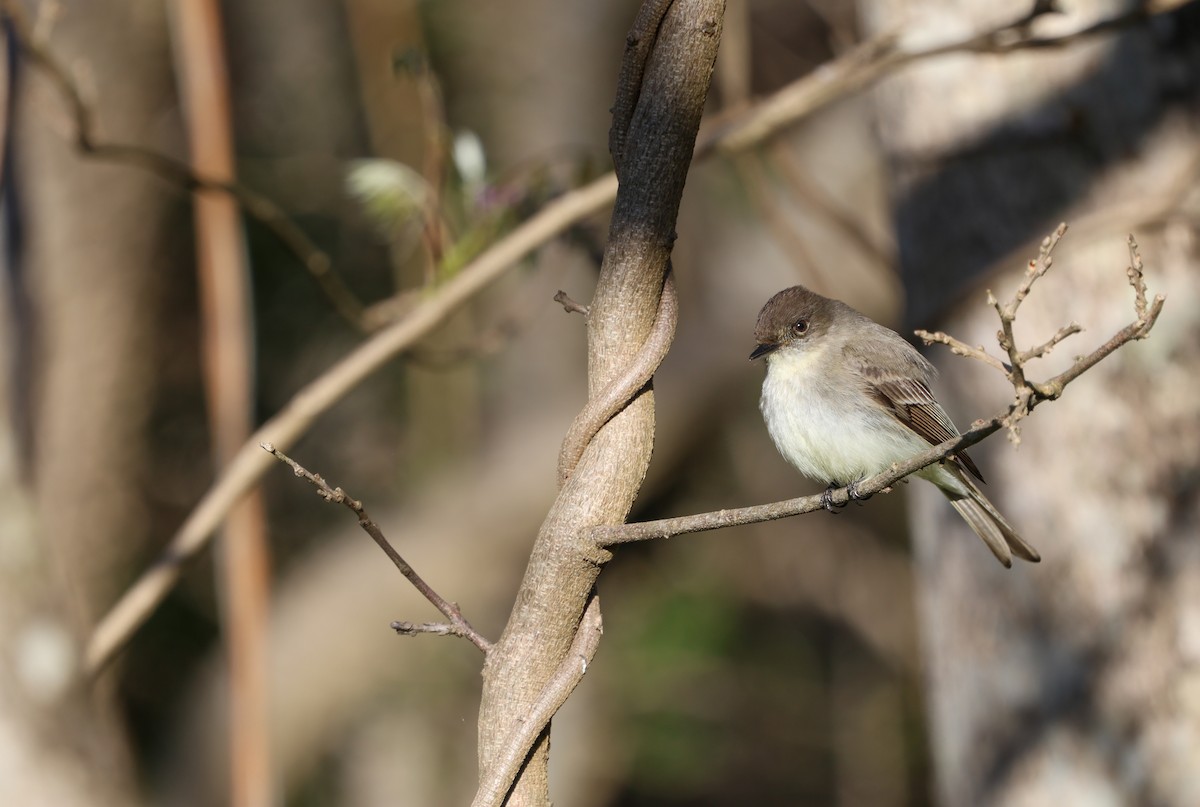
<point x="961" y="348"/>
<point x="458" y="626"/>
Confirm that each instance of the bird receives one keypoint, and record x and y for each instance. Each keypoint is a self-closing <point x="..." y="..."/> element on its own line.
<point x="845" y="398"/>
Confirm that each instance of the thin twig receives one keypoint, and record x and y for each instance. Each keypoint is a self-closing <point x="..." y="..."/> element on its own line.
<point x="498" y="780"/>
<point x="882" y="56"/>
<point x="432" y="628"/>
<point x="1007" y="313"/>
<point x="960" y="348"/>
<point x="1147" y="314"/>
<point x="611" y="535"/>
<point x="569" y="305"/>
<point x="1137" y="279"/>
<point x="1044" y="348"/>
<point x="458" y="626"/>
<point x="1026" y="397"/>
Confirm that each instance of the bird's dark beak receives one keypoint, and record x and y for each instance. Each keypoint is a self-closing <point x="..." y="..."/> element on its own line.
<point x="763" y="349"/>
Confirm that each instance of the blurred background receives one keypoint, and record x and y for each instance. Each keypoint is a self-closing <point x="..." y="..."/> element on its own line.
<point x="879" y="657"/>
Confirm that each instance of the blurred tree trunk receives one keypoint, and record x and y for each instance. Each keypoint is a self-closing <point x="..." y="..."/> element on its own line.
<point x="85" y="266"/>
<point x="1072" y="682"/>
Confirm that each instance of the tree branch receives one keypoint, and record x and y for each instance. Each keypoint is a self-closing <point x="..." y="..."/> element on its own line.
<point x="458" y="626"/>
<point x="1027" y="395"/>
<point x="960" y="348"/>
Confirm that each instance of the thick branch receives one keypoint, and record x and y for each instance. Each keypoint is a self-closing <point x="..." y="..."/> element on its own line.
<point x="497" y="781"/>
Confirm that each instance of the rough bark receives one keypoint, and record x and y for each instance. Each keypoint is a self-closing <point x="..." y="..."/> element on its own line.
<point x="563" y="566"/>
<point x="1069" y="682"/>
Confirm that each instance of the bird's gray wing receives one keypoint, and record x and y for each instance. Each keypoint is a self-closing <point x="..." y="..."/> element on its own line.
<point x="908" y="395"/>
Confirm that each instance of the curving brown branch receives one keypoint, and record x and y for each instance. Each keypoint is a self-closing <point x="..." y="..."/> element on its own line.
<point x="1026" y="396"/>
<point x="601" y="409"/>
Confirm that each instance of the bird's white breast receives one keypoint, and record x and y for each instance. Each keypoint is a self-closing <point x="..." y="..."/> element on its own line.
<point x="823" y="422"/>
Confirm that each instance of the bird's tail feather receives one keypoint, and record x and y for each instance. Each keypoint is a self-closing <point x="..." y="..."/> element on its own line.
<point x="989" y="525"/>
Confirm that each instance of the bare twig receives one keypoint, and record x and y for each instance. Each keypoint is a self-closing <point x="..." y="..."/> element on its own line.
<point x="960" y="348"/>
<point x="882" y="56"/>
<point x="569" y="305"/>
<point x="1137" y="279"/>
<point x="1027" y="395"/>
<point x="1044" y="348"/>
<point x="498" y="780"/>
<point x="617" y="395"/>
<point x="1147" y="315"/>
<point x="1008" y="313"/>
<point x="432" y="628"/>
<point x="458" y="626"/>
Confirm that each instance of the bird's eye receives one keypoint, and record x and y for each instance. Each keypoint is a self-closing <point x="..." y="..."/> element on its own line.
<point x="800" y="327"/>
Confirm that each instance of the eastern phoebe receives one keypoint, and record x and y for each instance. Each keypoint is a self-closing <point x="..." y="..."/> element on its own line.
<point x="845" y="398"/>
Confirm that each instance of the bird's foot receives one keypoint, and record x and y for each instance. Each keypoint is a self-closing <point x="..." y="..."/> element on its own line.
<point x="853" y="492"/>
<point x="827" y="500"/>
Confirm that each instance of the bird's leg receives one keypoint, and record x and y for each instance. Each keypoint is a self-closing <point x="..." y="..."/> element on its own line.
<point x="852" y="492"/>
<point x="827" y="499"/>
